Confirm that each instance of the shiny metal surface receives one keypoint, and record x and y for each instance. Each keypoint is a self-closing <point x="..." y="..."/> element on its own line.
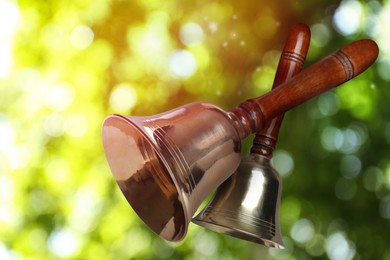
<point x="246" y="206"/>
<point x="165" y="165"/>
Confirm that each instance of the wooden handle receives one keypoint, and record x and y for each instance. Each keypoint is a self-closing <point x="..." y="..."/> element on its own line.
<point x="291" y="62"/>
<point x="333" y="70"/>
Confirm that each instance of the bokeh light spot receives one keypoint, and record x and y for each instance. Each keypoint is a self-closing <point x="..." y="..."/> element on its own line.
<point x="18" y="156"/>
<point x="9" y="18"/>
<point x="372" y="25"/>
<point x="191" y="33"/>
<point x="162" y="249"/>
<point x="203" y="59"/>
<point x="373" y="179"/>
<point x="384" y="36"/>
<point x="302" y="231"/>
<point x="6" y="59"/>
<point x="283" y="162"/>
<point x="320" y="35"/>
<point x="212" y="27"/>
<point x="6" y="188"/>
<point x="271" y="58"/>
<point x="265" y="26"/>
<point x="206" y="243"/>
<point x="58" y="170"/>
<point x="384" y="69"/>
<point x="64" y="242"/>
<point x="81" y="37"/>
<point x="53" y="36"/>
<point x="345" y="188"/>
<point x="139" y="239"/>
<point x="338" y="247"/>
<point x="86" y="205"/>
<point x="7" y="135"/>
<point x="182" y="63"/>
<point x="54" y="125"/>
<point x="5" y="253"/>
<point x="347" y="141"/>
<point x="316" y="246"/>
<point x="292" y="205"/>
<point x="9" y="216"/>
<point x="348" y="17"/>
<point x="38" y="239"/>
<point x="123" y="98"/>
<point x="76" y="125"/>
<point x="351" y="142"/>
<point x="328" y="104"/>
<point x="262" y="79"/>
<point x="150" y="43"/>
<point x="332" y="138"/>
<point x="350" y="166"/>
<point x="59" y="97"/>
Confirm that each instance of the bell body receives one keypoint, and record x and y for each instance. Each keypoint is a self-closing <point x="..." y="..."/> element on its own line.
<point x="166" y="164"/>
<point x="246" y="206"/>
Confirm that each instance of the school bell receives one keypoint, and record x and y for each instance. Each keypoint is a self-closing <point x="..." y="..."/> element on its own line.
<point x="166" y="164"/>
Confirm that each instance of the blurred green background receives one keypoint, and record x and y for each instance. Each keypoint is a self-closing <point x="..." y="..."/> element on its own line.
<point x="65" y="65"/>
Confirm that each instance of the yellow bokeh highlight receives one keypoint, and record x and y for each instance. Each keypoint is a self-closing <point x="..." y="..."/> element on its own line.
<point x="262" y="79"/>
<point x="202" y="56"/>
<point x="9" y="19"/>
<point x="123" y="98"/>
<point x="151" y="38"/>
<point x="218" y="11"/>
<point x="265" y="25"/>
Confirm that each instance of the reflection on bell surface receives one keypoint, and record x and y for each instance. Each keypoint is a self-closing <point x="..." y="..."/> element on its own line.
<point x="166" y="164"/>
<point x="246" y="206"/>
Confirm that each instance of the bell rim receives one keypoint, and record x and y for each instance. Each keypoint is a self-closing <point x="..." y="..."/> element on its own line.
<point x="239" y="233"/>
<point x="180" y="236"/>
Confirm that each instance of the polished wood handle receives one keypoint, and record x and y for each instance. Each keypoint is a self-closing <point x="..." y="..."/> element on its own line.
<point x="291" y="63"/>
<point x="333" y="70"/>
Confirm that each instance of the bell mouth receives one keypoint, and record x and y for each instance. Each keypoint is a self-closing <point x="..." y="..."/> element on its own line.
<point x="237" y="233"/>
<point x="144" y="177"/>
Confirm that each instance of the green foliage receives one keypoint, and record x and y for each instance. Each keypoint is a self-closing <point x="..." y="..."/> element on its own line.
<point x="65" y="65"/>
